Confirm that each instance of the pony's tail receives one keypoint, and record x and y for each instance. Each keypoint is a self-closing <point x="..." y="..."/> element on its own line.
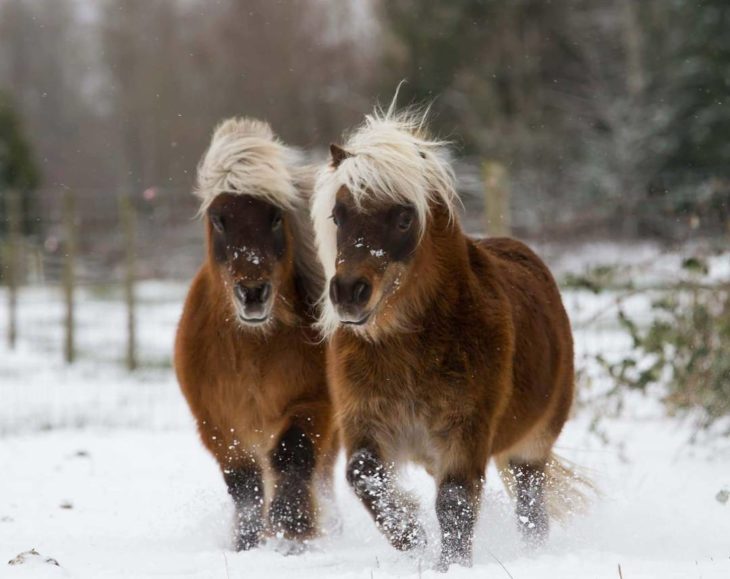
<point x="568" y="488"/>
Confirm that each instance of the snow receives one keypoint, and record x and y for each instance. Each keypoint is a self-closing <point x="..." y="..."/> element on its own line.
<point x="251" y="255"/>
<point x="149" y="503"/>
<point x="102" y="471"/>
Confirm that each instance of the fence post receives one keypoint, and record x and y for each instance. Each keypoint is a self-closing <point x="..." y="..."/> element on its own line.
<point x="14" y="216"/>
<point x="69" y="272"/>
<point x="496" y="199"/>
<point x="128" y="218"/>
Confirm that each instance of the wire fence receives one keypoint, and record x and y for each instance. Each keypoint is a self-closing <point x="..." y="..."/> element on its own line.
<point x="40" y="390"/>
<point x="93" y="286"/>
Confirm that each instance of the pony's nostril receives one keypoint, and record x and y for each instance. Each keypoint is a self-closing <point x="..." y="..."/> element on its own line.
<point x="349" y="292"/>
<point x="360" y="292"/>
<point x="240" y="291"/>
<point x="265" y="292"/>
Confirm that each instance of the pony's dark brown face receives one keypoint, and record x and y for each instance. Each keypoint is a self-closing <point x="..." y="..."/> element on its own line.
<point x="251" y="243"/>
<point x="375" y="246"/>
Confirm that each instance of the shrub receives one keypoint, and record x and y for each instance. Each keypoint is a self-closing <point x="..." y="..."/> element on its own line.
<point x="685" y="348"/>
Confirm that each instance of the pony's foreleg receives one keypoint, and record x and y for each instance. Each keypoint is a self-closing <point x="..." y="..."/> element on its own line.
<point x="464" y="460"/>
<point x="529" y="488"/>
<point x="457" y="507"/>
<point x="395" y="514"/>
<point x="292" y="508"/>
<point x="246" y="487"/>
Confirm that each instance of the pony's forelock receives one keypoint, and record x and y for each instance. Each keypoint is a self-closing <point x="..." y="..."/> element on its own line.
<point x="391" y="159"/>
<point x="244" y="157"/>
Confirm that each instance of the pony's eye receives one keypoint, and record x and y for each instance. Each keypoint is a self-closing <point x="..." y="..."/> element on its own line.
<point x="276" y="222"/>
<point x="338" y="214"/>
<point x="217" y="222"/>
<point x="405" y="220"/>
<point x="335" y="219"/>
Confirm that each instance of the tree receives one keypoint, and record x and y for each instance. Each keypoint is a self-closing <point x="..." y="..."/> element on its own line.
<point x="702" y="66"/>
<point x="485" y="61"/>
<point x="49" y="68"/>
<point x="18" y="170"/>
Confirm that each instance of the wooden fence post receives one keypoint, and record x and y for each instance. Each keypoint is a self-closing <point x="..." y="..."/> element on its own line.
<point x="12" y="247"/>
<point x="128" y="219"/>
<point x="69" y="272"/>
<point x="496" y="199"/>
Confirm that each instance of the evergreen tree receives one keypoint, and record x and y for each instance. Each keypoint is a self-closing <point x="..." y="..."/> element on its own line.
<point x="485" y="62"/>
<point x="17" y="167"/>
<point x="702" y="66"/>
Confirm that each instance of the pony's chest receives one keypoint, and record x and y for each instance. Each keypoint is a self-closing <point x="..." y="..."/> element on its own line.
<point x="413" y="374"/>
<point x="256" y="391"/>
<point x="402" y="426"/>
<point x="408" y="396"/>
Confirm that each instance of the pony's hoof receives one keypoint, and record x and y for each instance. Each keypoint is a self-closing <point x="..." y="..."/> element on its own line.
<point x="411" y="538"/>
<point x="289" y="547"/>
<point x="294" y="522"/>
<point x="446" y="560"/>
<point x="534" y="535"/>
<point x="247" y="541"/>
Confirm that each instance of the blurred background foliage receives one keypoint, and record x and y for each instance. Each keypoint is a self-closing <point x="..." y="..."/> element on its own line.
<point x="599" y="109"/>
<point x="581" y="120"/>
<point x="18" y="168"/>
<point x="680" y="346"/>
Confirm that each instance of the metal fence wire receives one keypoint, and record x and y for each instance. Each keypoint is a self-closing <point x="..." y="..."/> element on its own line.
<point x="98" y="278"/>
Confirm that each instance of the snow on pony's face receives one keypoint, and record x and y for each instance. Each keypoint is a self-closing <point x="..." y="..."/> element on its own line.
<point x="380" y="189"/>
<point x="251" y="243"/>
<point x="248" y="183"/>
<point x="375" y="245"/>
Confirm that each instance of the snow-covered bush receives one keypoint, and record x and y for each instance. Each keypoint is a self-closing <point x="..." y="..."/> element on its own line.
<point x="684" y="349"/>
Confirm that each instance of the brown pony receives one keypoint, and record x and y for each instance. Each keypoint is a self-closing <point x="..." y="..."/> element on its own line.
<point x="246" y="357"/>
<point x="444" y="350"/>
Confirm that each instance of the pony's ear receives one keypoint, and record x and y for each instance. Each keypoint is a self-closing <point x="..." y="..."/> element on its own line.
<point x="338" y="155"/>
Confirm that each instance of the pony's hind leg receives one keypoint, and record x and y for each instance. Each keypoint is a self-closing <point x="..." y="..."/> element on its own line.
<point x="293" y="459"/>
<point x="394" y="513"/>
<point x="530" y="480"/>
<point x="525" y="470"/>
<point x="246" y="487"/>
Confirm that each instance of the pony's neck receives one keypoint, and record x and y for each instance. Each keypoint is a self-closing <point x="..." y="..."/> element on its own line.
<point x="443" y="267"/>
<point x="294" y="309"/>
<point x="309" y="271"/>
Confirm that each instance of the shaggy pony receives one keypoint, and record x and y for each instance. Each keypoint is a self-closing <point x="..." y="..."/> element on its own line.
<point x="443" y="350"/>
<point x="248" y="361"/>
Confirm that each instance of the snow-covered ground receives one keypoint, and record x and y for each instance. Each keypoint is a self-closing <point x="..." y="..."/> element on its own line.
<point x="140" y="503"/>
<point x="103" y="472"/>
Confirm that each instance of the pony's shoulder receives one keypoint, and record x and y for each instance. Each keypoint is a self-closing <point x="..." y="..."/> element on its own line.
<point x="505" y="248"/>
<point x="509" y="254"/>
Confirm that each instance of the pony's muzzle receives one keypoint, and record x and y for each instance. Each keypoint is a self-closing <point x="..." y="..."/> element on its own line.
<point x="253" y="301"/>
<point x="350" y="296"/>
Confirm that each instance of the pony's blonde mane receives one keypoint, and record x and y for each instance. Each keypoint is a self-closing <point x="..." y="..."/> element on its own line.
<point x="390" y="158"/>
<point x="245" y="157"/>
